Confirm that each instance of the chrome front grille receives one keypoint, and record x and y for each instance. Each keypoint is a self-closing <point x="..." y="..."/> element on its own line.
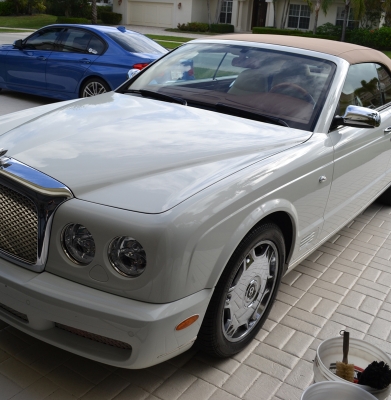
<point x="18" y="225"/>
<point x="28" y="201"/>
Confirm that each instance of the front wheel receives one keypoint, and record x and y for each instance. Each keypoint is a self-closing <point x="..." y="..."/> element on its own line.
<point x="93" y="87"/>
<point x="245" y="293"/>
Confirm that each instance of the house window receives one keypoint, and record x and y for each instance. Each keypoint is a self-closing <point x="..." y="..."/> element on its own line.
<point x="299" y="16"/>
<point x="226" y="12"/>
<point x="351" y="23"/>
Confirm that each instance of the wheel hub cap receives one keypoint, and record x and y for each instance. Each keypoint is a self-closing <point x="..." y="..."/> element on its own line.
<point x="250" y="291"/>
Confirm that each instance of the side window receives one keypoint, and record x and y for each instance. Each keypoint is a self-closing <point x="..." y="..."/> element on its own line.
<point x="361" y="87"/>
<point x="385" y="83"/>
<point x="42" y="40"/>
<point x="75" y="41"/>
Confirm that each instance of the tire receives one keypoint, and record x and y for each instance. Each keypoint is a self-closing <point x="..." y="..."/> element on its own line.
<point x="93" y="87"/>
<point x="246" y="291"/>
<point x="385" y="197"/>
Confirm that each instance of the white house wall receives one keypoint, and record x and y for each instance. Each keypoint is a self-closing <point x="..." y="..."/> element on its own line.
<point x="166" y="13"/>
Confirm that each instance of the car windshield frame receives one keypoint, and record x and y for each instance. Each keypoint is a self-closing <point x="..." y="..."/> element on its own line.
<point x="184" y="75"/>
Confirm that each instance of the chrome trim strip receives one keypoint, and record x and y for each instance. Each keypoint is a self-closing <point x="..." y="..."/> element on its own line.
<point x="33" y="179"/>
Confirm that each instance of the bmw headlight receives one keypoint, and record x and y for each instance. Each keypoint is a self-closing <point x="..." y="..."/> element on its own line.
<point x="78" y="244"/>
<point x="127" y="256"/>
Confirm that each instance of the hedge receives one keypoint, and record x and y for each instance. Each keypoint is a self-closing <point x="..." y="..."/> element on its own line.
<point x="70" y="20"/>
<point x="290" y="32"/>
<point x="101" y="9"/>
<point x="194" y="27"/>
<point x="379" y="39"/>
<point x="222" y="28"/>
<point x="110" y="18"/>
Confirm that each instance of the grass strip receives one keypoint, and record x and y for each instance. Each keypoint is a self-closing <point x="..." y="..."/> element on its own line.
<point x="168" y="45"/>
<point x="3" y="30"/>
<point x="28" y="21"/>
<point x="159" y="38"/>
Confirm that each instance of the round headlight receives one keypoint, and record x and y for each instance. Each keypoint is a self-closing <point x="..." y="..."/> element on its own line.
<point x="78" y="244"/>
<point x="127" y="256"/>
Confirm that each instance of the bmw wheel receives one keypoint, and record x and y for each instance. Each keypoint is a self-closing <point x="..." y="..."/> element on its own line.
<point x="245" y="293"/>
<point x="93" y="87"/>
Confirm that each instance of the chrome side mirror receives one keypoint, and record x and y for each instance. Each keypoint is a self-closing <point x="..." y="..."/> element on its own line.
<point x="358" y="117"/>
<point x="132" y="72"/>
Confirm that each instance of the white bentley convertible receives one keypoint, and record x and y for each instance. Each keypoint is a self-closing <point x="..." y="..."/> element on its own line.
<point x="134" y="223"/>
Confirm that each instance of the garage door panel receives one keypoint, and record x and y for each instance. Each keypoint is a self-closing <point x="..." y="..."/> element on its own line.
<point x="150" y="14"/>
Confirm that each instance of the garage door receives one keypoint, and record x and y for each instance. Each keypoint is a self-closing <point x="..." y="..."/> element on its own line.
<point x="150" y="14"/>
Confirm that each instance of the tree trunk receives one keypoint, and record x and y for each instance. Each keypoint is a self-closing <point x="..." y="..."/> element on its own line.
<point x="317" y="8"/>
<point x="282" y="15"/>
<point x="345" y="20"/>
<point x="94" y="18"/>
<point x="218" y="11"/>
<point x="286" y="14"/>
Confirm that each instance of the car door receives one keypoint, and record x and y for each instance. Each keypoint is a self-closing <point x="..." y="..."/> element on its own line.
<point x="77" y="50"/>
<point x="26" y="66"/>
<point x="361" y="155"/>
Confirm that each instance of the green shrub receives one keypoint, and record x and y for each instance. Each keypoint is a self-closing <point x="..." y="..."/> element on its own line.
<point x="290" y="32"/>
<point x="194" y="27"/>
<point x="110" y="18"/>
<point x="329" y="29"/>
<point x="222" y="28"/>
<point x="379" y="39"/>
<point x="6" y="8"/>
<point x="100" y="9"/>
<point x="71" y="20"/>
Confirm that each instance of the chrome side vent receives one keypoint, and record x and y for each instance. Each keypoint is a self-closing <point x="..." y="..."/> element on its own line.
<point x="308" y="239"/>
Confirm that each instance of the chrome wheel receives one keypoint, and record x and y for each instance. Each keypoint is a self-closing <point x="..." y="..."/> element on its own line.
<point x="250" y="291"/>
<point x="245" y="292"/>
<point x="93" y="88"/>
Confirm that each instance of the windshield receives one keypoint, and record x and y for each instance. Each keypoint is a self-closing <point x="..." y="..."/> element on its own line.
<point x="285" y="86"/>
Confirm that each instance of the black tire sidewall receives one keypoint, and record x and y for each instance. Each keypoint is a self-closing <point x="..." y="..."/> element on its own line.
<point x="268" y="231"/>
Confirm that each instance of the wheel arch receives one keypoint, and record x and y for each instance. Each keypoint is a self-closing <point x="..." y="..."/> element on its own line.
<point x="89" y="77"/>
<point x="280" y="212"/>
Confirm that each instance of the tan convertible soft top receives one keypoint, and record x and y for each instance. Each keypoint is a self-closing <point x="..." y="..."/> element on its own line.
<point x="352" y="53"/>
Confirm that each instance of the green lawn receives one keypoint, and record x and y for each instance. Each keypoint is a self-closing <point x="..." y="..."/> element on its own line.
<point x="169" y="38"/>
<point x="387" y="53"/>
<point x="28" y="21"/>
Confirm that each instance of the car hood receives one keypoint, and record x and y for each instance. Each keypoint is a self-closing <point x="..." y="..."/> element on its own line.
<point x="139" y="154"/>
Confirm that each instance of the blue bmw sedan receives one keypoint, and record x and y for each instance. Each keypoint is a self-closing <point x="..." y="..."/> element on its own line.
<point x="71" y="61"/>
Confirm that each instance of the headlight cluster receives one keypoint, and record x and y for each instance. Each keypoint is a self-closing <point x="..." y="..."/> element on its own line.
<point x="125" y="254"/>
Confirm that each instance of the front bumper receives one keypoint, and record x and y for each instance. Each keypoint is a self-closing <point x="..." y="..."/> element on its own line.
<point x="143" y="334"/>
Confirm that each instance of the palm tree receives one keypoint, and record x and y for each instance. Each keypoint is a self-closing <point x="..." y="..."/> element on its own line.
<point x="359" y="10"/>
<point x="319" y="4"/>
<point x="94" y="14"/>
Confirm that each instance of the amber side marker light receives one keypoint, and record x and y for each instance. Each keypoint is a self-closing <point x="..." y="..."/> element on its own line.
<point x="187" y="322"/>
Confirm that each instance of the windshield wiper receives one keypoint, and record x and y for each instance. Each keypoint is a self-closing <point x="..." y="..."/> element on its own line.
<point x="160" y="96"/>
<point x="226" y="109"/>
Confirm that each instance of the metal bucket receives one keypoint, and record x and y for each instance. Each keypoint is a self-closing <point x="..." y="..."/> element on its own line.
<point x="336" y="390"/>
<point x="361" y="354"/>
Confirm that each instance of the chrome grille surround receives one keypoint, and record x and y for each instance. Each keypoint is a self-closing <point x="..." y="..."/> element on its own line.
<point x="28" y="200"/>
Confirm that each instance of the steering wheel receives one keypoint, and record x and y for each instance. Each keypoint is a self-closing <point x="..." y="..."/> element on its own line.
<point x="291" y="89"/>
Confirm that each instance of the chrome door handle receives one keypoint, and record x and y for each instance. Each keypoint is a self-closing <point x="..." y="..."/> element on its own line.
<point x="42" y="58"/>
<point x="387" y="130"/>
<point x="322" y="179"/>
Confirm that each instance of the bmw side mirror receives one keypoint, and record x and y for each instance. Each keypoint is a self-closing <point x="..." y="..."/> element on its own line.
<point x="132" y="72"/>
<point x="18" y="44"/>
<point x="358" y="117"/>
